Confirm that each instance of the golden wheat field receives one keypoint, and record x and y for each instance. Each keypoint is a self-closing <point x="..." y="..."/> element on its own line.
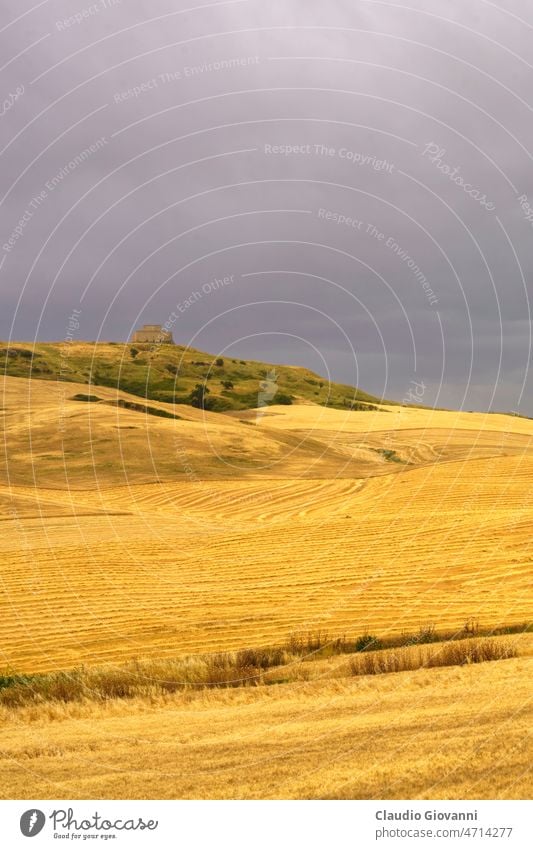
<point x="126" y="536"/>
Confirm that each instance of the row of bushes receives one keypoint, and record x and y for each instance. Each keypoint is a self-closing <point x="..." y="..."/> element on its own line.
<point x="249" y="667"/>
<point x="127" y="405"/>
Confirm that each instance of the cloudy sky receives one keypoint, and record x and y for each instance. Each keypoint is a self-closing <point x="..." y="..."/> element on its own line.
<point x="358" y="172"/>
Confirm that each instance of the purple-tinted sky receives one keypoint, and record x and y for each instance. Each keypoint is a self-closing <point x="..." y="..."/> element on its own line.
<point x="359" y="171"/>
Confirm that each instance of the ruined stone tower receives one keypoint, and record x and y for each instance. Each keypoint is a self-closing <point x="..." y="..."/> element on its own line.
<point x="152" y="333"/>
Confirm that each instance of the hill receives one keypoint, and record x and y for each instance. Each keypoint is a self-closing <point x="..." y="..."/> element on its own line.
<point x="69" y="436"/>
<point x="170" y="373"/>
<point x="140" y="534"/>
<point x="55" y="438"/>
<point x="165" y="536"/>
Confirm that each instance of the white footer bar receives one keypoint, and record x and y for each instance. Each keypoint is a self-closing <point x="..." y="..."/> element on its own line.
<point x="266" y="825"/>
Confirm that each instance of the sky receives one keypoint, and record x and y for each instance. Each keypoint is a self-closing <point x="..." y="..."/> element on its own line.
<point x="346" y="185"/>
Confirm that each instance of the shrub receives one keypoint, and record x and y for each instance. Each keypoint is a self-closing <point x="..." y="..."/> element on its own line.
<point x="21" y="352"/>
<point x="227" y="384"/>
<point x="61" y="687"/>
<point x="281" y="398"/>
<point x="134" y="352"/>
<point x="426" y="634"/>
<point x="57" y="687"/>
<point x="89" y="398"/>
<point x="198" y="397"/>
<point x="261" y="658"/>
<point x="141" y="408"/>
<point x="367" y="642"/>
<point x="14" y="353"/>
<point x="471" y="651"/>
<point x="357" y="405"/>
<point x="218" y="405"/>
<point x="314" y="641"/>
<point x="12" y="680"/>
<point x="115" y="684"/>
<point x="389" y="455"/>
<point x="224" y="671"/>
<point x="470" y="628"/>
<point x="219" y="362"/>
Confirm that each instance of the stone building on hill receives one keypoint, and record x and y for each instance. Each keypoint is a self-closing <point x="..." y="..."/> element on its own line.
<point x="152" y="333"/>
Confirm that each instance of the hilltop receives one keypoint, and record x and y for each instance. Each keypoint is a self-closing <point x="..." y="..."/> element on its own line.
<point x="170" y="373"/>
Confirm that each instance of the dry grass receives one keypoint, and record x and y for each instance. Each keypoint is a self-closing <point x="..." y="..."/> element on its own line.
<point x="451" y="733"/>
<point x="430" y="656"/>
<point x="149" y="678"/>
<point x="247" y="668"/>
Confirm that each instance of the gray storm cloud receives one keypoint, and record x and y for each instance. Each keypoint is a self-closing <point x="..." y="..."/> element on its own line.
<point x="361" y="169"/>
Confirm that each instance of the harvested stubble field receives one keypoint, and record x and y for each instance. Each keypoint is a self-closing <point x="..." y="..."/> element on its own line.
<point x="127" y="536"/>
<point x="457" y="732"/>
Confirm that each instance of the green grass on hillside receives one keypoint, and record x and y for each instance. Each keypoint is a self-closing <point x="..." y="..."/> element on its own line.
<point x="171" y="372"/>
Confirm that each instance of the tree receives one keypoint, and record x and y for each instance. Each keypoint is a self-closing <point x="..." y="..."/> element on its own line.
<point x="227" y="384"/>
<point x="219" y="362"/>
<point x="198" y="396"/>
